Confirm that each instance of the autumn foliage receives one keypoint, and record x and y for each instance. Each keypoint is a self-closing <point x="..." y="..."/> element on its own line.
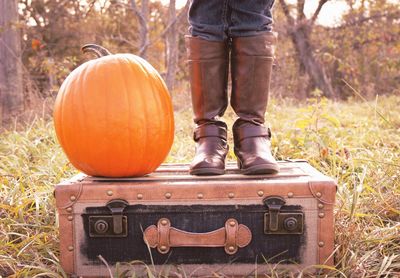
<point x="362" y="49"/>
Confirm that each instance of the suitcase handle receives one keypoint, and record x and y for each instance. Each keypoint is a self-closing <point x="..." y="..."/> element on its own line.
<point x="231" y="237"/>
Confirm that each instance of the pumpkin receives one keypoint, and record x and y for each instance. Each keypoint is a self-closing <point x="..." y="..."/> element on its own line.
<point x="113" y="116"/>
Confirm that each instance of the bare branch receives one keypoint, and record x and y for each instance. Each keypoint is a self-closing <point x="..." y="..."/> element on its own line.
<point x="171" y="41"/>
<point x="139" y="14"/>
<point x="300" y="10"/>
<point x="166" y="30"/>
<point x="142" y="20"/>
<point x="90" y="8"/>
<point x="286" y="11"/>
<point x="389" y="16"/>
<point x="318" y="10"/>
<point x="120" y="38"/>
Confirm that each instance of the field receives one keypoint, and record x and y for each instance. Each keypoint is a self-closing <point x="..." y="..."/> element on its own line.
<point x="356" y="142"/>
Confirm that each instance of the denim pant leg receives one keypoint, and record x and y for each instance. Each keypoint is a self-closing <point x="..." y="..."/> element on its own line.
<point x="250" y="18"/>
<point x="208" y="19"/>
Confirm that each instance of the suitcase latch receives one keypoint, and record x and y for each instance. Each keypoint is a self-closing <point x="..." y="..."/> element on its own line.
<point x="114" y="225"/>
<point x="277" y="221"/>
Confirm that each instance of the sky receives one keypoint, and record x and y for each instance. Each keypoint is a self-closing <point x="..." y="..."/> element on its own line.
<point x="330" y="14"/>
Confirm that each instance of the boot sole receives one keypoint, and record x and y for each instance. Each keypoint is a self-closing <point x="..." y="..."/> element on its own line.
<point x="262" y="169"/>
<point x="207" y="172"/>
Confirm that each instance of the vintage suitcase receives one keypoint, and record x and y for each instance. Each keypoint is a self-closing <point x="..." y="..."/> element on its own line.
<point x="201" y="226"/>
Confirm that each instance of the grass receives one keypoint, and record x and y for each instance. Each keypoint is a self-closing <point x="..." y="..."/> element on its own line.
<point x="357" y="143"/>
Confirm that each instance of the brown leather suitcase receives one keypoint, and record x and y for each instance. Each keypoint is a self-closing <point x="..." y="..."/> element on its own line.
<point x="200" y="226"/>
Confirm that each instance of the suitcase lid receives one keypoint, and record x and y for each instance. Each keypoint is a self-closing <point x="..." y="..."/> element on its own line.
<point x="178" y="172"/>
<point x="173" y="182"/>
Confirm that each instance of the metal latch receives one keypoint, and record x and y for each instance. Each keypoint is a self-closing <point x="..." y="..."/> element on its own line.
<point x="114" y="225"/>
<point x="277" y="221"/>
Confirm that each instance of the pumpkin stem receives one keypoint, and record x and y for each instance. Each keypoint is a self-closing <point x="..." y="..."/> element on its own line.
<point x="97" y="50"/>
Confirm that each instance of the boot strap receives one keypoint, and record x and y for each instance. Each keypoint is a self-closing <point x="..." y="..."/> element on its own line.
<point x="251" y="131"/>
<point x="209" y="131"/>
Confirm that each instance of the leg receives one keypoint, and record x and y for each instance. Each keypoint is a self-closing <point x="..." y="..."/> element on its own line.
<point x="208" y="52"/>
<point x="208" y="19"/>
<point x="250" y="18"/>
<point x="251" y="61"/>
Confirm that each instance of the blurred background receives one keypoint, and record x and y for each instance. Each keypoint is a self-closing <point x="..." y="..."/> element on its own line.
<point x="335" y="102"/>
<point x="336" y="48"/>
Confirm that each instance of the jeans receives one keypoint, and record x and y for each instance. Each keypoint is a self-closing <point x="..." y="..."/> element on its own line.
<point x="218" y="20"/>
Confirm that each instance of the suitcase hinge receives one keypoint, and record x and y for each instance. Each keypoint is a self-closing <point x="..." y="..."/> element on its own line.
<point x="114" y="225"/>
<point x="277" y="221"/>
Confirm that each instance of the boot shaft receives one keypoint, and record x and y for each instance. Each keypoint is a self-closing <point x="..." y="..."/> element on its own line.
<point x="251" y="66"/>
<point x="208" y="70"/>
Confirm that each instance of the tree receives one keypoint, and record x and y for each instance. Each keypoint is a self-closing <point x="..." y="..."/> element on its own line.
<point x="11" y="86"/>
<point x="299" y="28"/>
<point x="143" y="18"/>
<point x="365" y="49"/>
<point x="172" y="47"/>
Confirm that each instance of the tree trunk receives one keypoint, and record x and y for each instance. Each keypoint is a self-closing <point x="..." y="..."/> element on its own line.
<point x="301" y="40"/>
<point x="299" y="28"/>
<point x="144" y="36"/>
<point x="172" y="47"/>
<point x="143" y="18"/>
<point x="11" y="87"/>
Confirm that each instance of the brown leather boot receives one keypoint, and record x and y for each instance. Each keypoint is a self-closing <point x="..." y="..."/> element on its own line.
<point x="252" y="59"/>
<point x="208" y="68"/>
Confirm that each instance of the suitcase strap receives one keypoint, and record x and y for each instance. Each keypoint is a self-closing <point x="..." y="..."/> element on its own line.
<point x="232" y="236"/>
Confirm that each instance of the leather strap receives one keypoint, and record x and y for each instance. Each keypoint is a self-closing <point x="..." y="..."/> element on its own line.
<point x="231" y="228"/>
<point x="163" y="226"/>
<point x="244" y="132"/>
<point x="231" y="237"/>
<point x="209" y="130"/>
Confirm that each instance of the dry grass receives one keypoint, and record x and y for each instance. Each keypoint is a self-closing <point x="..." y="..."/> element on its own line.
<point x="356" y="143"/>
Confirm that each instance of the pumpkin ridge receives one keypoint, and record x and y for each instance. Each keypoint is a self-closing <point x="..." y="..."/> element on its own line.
<point x="159" y="86"/>
<point x="69" y="98"/>
<point x="82" y="122"/>
<point x="154" y="102"/>
<point x="128" y="130"/>
<point x="87" y="148"/>
<point x="158" y="103"/>
<point x="107" y="115"/>
<point x="95" y="78"/>
<point x="170" y="117"/>
<point x="65" y="122"/>
<point x="166" y="96"/>
<point x="144" y="108"/>
<point x="170" y="124"/>
<point x="158" y="106"/>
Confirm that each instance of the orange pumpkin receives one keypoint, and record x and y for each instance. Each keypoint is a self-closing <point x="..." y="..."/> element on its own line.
<point x="113" y="116"/>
